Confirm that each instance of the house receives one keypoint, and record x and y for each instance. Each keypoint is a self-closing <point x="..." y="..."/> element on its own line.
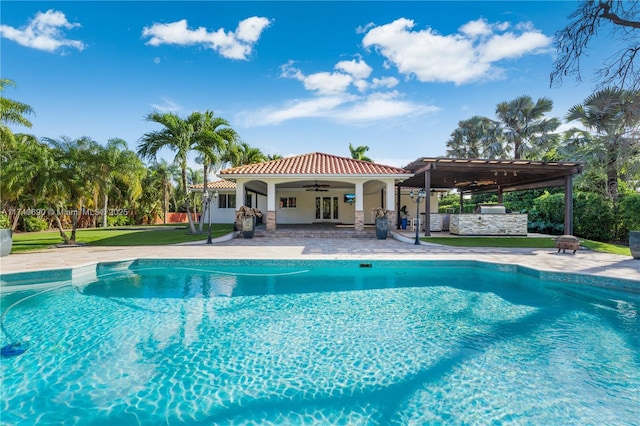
<point x="323" y="188"/>
<point x="307" y="189"/>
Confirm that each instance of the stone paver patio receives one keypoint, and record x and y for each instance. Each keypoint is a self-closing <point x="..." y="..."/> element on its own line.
<point x="583" y="262"/>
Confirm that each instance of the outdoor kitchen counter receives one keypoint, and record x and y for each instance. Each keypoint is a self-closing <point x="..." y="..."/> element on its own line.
<point x="513" y="224"/>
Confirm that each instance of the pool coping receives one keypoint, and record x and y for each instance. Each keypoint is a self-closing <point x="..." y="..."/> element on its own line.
<point x="84" y="274"/>
<point x="585" y="263"/>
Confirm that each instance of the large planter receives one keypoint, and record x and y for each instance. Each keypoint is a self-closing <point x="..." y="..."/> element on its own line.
<point x="382" y="226"/>
<point x="634" y="244"/>
<point x="248" y="227"/>
<point x="6" y="241"/>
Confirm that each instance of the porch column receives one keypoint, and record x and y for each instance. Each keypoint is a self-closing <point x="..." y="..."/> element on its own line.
<point x="500" y="195"/>
<point x="359" y="212"/>
<point x="271" y="207"/>
<point x="391" y="212"/>
<point x="398" y="207"/>
<point x="568" y="205"/>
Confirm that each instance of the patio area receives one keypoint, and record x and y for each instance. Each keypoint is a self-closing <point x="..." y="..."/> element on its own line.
<point x="584" y="262"/>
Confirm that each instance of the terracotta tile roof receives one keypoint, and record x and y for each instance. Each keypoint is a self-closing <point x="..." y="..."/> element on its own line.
<point x="315" y="163"/>
<point x="216" y="184"/>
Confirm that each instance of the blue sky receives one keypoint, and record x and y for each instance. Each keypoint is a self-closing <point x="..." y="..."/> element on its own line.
<point x="291" y="77"/>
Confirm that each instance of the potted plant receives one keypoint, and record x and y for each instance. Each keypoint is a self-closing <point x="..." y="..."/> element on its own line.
<point x="634" y="244"/>
<point x="382" y="225"/>
<point x="6" y="235"/>
<point x="246" y="216"/>
<point x="403" y="217"/>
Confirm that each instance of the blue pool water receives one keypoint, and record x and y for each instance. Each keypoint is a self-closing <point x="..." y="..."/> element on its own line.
<point x="197" y="342"/>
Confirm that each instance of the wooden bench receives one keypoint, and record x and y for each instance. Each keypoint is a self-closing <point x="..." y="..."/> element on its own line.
<point x="567" y="242"/>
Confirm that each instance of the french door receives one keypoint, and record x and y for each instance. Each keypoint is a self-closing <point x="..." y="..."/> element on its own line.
<point x="326" y="208"/>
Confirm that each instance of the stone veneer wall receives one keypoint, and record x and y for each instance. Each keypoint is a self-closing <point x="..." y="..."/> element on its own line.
<point x="359" y="220"/>
<point x="271" y="220"/>
<point x="391" y="221"/>
<point x="488" y="224"/>
<point x="435" y="222"/>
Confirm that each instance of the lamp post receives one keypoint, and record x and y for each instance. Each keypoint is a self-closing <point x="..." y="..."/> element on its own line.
<point x="209" y="198"/>
<point x="420" y="196"/>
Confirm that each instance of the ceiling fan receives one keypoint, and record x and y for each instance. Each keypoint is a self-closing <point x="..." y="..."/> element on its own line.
<point x="316" y="187"/>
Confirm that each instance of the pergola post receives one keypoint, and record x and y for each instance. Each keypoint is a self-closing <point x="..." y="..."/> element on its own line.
<point x="398" y="190"/>
<point x="568" y="205"/>
<point x="500" y="195"/>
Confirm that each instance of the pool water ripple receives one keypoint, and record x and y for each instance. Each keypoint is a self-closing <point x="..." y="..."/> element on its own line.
<point x="391" y="347"/>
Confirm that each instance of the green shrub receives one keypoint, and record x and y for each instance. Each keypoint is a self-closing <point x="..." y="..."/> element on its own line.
<point x="119" y="220"/>
<point x="34" y="224"/>
<point x="593" y="217"/>
<point x="629" y="214"/>
<point x="4" y="221"/>
<point x="547" y="214"/>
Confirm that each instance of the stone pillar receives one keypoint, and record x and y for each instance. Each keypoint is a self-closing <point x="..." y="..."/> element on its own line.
<point x="271" y="220"/>
<point x="359" y="223"/>
<point x="391" y="218"/>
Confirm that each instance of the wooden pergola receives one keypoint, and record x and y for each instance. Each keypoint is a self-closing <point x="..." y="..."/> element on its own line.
<point x="477" y="176"/>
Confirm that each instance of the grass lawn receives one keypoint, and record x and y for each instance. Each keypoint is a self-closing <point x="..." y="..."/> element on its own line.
<point x="121" y="236"/>
<point x="171" y="234"/>
<point x="523" y="242"/>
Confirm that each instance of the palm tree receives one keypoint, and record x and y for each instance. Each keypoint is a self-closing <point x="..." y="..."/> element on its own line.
<point x="112" y="163"/>
<point x="38" y="174"/>
<point x="74" y="159"/>
<point x="245" y="154"/>
<point x="15" y="164"/>
<point x="358" y="153"/>
<point x="613" y="117"/>
<point x="272" y="157"/>
<point x="162" y="175"/>
<point x="11" y="112"/>
<point x="178" y="135"/>
<point x="214" y="139"/>
<point x="476" y="137"/>
<point x="527" y="133"/>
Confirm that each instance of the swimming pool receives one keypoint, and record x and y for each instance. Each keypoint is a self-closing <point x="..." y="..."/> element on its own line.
<point x="317" y="342"/>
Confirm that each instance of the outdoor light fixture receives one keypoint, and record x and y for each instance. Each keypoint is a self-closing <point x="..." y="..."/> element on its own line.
<point x="422" y="194"/>
<point x="208" y="198"/>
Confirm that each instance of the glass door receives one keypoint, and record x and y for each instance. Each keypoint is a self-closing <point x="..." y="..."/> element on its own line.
<point x="326" y="208"/>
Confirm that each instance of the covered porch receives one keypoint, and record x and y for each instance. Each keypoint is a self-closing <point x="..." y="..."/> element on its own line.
<point x="317" y="188"/>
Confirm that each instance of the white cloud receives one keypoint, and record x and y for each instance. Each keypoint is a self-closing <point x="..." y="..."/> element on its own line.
<point x="314" y="107"/>
<point x="340" y="108"/>
<point x="469" y="55"/>
<point x="233" y="45"/>
<point x="510" y="45"/>
<point x="43" y="32"/>
<point x="326" y="83"/>
<point x="250" y="29"/>
<point x="332" y="97"/>
<point x="359" y="69"/>
<point x="382" y="106"/>
<point x="167" y="106"/>
<point x="323" y="83"/>
<point x="364" y="28"/>
<point x="387" y="82"/>
<point x="476" y="28"/>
